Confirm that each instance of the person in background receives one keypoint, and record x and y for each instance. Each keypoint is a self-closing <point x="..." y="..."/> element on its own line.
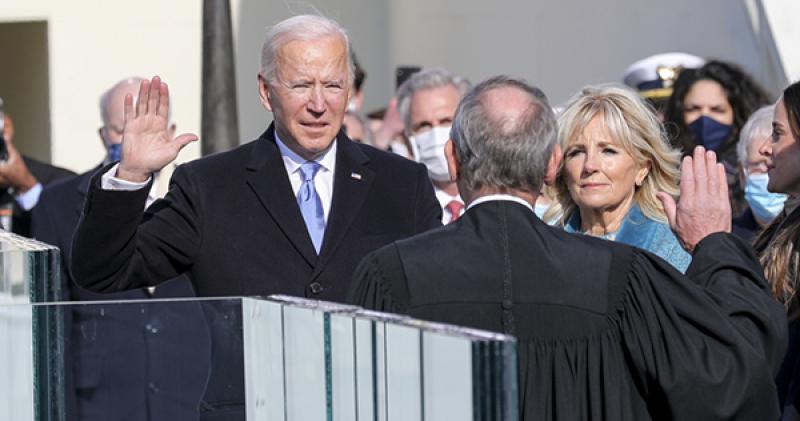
<point x="357" y="128"/>
<point x="615" y="162"/>
<point x="605" y="331"/>
<point x="427" y="102"/>
<point x="708" y="107"/>
<point x="778" y="245"/>
<point x="762" y="205"/>
<point x="122" y="367"/>
<point x="359" y="77"/>
<point x="653" y="76"/>
<point x="21" y="181"/>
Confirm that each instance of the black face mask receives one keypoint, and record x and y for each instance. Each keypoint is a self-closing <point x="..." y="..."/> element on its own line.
<point x="710" y="133"/>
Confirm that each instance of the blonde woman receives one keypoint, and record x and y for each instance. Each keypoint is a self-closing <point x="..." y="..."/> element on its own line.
<point x="615" y="160"/>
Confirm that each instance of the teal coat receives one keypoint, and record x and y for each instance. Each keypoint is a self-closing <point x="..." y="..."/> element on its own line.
<point x="640" y="231"/>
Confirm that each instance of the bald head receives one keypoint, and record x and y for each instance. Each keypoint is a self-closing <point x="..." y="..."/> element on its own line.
<point x="503" y="135"/>
<point x="112" y="102"/>
<point x="507" y="106"/>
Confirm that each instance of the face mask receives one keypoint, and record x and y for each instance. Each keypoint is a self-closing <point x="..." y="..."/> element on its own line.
<point x="710" y="133"/>
<point x="764" y="204"/>
<point x="114" y="152"/>
<point x="429" y="150"/>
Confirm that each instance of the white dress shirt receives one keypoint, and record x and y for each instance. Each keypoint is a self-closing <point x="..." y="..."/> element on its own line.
<point x="444" y="198"/>
<point x="30" y="198"/>
<point x="109" y="181"/>
<point x="323" y="180"/>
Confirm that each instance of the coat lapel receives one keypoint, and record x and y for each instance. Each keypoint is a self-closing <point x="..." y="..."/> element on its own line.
<point x="268" y="179"/>
<point x="351" y="184"/>
<point x="83" y="188"/>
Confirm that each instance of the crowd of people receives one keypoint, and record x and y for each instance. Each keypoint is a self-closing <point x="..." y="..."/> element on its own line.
<point x="641" y="241"/>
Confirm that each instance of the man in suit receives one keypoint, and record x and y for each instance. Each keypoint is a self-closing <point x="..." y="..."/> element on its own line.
<point x="427" y="102"/>
<point x="605" y="331"/>
<point x="292" y="212"/>
<point x="144" y="360"/>
<point x="21" y="181"/>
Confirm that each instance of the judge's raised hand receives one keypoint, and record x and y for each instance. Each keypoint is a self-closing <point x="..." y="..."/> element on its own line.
<point x="704" y="207"/>
<point x="147" y="143"/>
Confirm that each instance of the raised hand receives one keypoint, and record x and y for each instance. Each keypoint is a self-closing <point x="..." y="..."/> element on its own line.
<point x="147" y="143"/>
<point x="704" y="207"/>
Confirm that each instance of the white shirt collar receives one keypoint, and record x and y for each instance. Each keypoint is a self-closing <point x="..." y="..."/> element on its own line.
<point x="444" y="197"/>
<point x="293" y="161"/>
<point x="494" y="197"/>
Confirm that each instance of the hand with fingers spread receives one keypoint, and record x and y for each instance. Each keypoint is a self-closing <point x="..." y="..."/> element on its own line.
<point x="147" y="144"/>
<point x="704" y="207"/>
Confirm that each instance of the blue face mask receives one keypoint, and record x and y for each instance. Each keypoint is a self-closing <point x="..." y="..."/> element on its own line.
<point x="710" y="133"/>
<point x="114" y="152"/>
<point x="764" y="204"/>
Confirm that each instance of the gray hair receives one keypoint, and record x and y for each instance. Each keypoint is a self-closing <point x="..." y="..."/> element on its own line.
<point x="304" y="28"/>
<point x="759" y="124"/>
<point x="422" y="81"/>
<point x="106" y="97"/>
<point x="496" y="151"/>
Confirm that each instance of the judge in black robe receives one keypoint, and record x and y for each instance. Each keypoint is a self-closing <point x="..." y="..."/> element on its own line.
<point x="606" y="331"/>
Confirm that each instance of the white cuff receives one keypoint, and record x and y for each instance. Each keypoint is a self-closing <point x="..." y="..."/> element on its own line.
<point x="30" y="198"/>
<point x="109" y="182"/>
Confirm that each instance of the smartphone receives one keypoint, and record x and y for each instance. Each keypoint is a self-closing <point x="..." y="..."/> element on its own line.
<point x="3" y="148"/>
<point x="402" y="73"/>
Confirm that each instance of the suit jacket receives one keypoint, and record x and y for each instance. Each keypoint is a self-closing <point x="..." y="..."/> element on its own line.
<point x="45" y="174"/>
<point x="232" y="221"/>
<point x="135" y="361"/>
<point x="606" y="331"/>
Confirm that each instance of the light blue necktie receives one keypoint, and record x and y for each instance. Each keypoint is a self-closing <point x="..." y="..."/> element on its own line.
<point x="310" y="204"/>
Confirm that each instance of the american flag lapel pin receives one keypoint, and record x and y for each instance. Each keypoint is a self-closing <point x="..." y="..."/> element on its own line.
<point x="355" y="175"/>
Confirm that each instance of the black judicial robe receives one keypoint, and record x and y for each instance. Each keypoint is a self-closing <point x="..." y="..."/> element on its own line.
<point x="606" y="331"/>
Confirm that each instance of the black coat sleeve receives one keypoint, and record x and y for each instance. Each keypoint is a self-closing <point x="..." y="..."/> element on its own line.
<point x="116" y="247"/>
<point x="704" y="346"/>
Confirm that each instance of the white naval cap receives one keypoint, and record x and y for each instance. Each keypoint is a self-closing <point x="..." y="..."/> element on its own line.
<point x="653" y="76"/>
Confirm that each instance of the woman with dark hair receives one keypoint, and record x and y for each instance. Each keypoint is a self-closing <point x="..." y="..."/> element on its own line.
<point x="708" y="107"/>
<point x="779" y="244"/>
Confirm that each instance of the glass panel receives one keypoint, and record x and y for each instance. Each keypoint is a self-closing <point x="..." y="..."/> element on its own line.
<point x="403" y="373"/>
<point x="264" y="360"/>
<point x="16" y="363"/>
<point x="365" y="380"/>
<point x="245" y="359"/>
<point x="28" y="270"/>
<point x="164" y="359"/>
<point x="447" y="384"/>
<point x="343" y="367"/>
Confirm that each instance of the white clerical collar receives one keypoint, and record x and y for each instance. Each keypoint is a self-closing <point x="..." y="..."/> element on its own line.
<point x="293" y="161"/>
<point x="495" y="197"/>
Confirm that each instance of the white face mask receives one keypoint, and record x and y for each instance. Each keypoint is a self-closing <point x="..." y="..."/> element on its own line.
<point x="429" y="150"/>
